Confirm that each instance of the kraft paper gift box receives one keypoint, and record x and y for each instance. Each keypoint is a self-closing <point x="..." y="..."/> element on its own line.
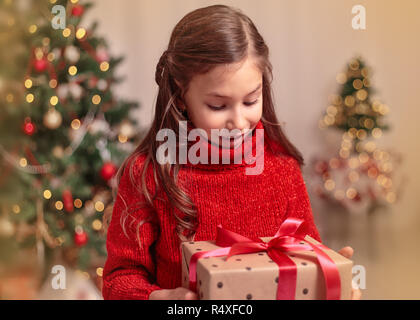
<point x="255" y="275"/>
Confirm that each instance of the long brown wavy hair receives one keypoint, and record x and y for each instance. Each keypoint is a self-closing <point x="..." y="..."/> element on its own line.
<point x="201" y="40"/>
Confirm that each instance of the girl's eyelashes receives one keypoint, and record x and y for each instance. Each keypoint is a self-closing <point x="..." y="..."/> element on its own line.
<point x="215" y="108"/>
<point x="250" y="103"/>
<point x="222" y="107"/>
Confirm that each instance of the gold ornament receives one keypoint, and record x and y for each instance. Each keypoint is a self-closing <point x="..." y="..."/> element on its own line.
<point x="59" y="205"/>
<point x="9" y="98"/>
<point x="391" y="197"/>
<point x="361" y="94"/>
<point x="354" y="64"/>
<point x="28" y="83"/>
<point x="53" y="83"/>
<point x="351" y="193"/>
<point x="99" y="206"/>
<point x="366" y="82"/>
<point x="52" y="119"/>
<point x="329" y="184"/>
<point x="361" y="134"/>
<point x="122" y="138"/>
<point x="80" y="33"/>
<point x="58" y="152"/>
<point x="341" y="78"/>
<point x="72" y="70"/>
<point x="66" y="32"/>
<point x="47" y="194"/>
<point x="127" y="129"/>
<point x="365" y="72"/>
<point x="29" y="98"/>
<point x="357" y="84"/>
<point x="16" y="209"/>
<point x="96" y="99"/>
<point x="23" y="162"/>
<point x="75" y="124"/>
<point x="377" y="133"/>
<point x="104" y="66"/>
<point x="99" y="271"/>
<point x="45" y="41"/>
<point x="97" y="224"/>
<point x="78" y="203"/>
<point x="39" y="53"/>
<point x="32" y="28"/>
<point x="54" y="100"/>
<point x="349" y="101"/>
<point x="7" y="228"/>
<point x="368" y="123"/>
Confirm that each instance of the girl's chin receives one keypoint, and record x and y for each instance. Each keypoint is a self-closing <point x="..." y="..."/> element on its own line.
<point x="231" y="143"/>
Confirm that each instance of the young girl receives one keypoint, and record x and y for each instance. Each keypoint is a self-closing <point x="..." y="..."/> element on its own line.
<point x="215" y="74"/>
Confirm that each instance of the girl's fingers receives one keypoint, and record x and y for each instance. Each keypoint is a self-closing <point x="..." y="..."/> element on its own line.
<point x="356" y="294"/>
<point x="191" y="296"/>
<point x="346" y="252"/>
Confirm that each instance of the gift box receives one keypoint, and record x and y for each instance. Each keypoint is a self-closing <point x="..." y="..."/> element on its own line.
<point x="256" y="276"/>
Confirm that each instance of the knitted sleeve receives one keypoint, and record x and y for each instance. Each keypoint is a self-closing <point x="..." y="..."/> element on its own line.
<point x="299" y="205"/>
<point x="129" y="270"/>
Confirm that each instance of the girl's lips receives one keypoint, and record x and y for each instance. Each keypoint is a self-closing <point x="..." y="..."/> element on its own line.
<point x="242" y="135"/>
<point x="237" y="139"/>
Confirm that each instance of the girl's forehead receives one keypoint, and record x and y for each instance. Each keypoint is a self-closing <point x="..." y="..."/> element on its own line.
<point x="245" y="75"/>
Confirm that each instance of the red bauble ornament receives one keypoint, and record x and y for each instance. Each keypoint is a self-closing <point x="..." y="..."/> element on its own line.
<point x="357" y="198"/>
<point x="40" y="65"/>
<point x="108" y="170"/>
<point x="29" y="128"/>
<point x="80" y="238"/>
<point x="77" y="10"/>
<point x="68" y="201"/>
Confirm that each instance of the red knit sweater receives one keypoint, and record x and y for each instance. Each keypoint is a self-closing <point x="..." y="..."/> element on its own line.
<point x="252" y="205"/>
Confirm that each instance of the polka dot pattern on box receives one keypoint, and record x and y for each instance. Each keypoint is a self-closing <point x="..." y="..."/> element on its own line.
<point x="248" y="276"/>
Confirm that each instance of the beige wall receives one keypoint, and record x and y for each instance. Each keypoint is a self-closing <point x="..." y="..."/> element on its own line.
<point x="310" y="41"/>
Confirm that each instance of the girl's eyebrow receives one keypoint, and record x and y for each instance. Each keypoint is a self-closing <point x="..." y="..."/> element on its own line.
<point x="222" y="96"/>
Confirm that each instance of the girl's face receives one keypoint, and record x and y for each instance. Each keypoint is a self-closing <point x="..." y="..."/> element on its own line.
<point x="226" y="97"/>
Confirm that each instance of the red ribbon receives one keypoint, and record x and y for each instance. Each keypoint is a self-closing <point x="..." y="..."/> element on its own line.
<point x="286" y="239"/>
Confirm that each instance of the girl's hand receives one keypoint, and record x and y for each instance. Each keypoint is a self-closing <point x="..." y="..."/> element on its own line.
<point x="179" y="293"/>
<point x="347" y="252"/>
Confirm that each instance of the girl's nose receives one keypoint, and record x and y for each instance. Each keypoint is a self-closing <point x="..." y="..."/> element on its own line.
<point x="236" y="119"/>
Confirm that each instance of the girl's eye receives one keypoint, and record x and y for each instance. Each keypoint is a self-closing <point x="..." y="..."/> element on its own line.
<point x="215" y="108"/>
<point x="250" y="103"/>
<point x="221" y="107"/>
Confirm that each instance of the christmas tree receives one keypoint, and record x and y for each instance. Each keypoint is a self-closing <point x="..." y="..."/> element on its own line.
<point x="360" y="176"/>
<point x="63" y="132"/>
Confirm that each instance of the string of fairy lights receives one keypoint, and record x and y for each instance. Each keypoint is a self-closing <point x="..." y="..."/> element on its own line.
<point x="361" y="168"/>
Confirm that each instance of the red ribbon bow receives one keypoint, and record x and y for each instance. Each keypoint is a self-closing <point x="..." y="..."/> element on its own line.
<point x="286" y="239"/>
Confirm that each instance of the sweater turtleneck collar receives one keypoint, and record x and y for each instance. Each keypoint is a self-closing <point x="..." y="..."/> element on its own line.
<point x="247" y="152"/>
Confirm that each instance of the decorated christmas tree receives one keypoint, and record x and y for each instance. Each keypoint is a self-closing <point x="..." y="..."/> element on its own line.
<point x="63" y="133"/>
<point x="360" y="176"/>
